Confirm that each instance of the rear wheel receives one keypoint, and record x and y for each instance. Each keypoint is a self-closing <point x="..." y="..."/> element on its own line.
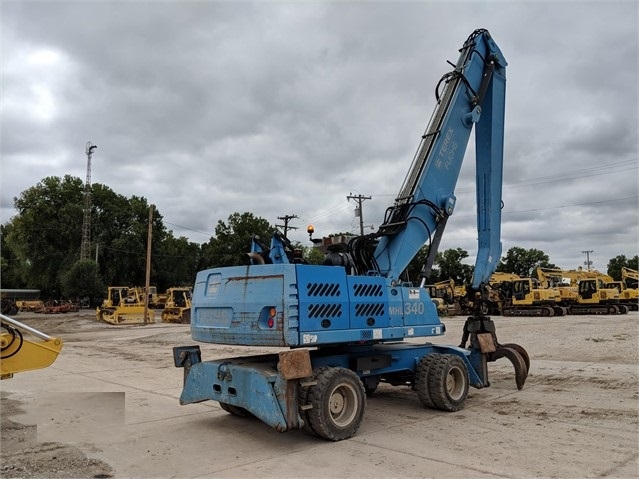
<point x="448" y="382"/>
<point x="235" y="410"/>
<point x="370" y="384"/>
<point x="338" y="401"/>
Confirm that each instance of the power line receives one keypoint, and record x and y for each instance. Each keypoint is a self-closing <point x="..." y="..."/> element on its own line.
<point x="189" y="229"/>
<point x="286" y="219"/>
<point x="607" y="169"/>
<point x="564" y="176"/>
<point x="560" y="206"/>
<point x="358" y="211"/>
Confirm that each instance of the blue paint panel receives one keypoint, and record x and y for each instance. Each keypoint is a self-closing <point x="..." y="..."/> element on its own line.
<point x="251" y="383"/>
<point x="368" y="302"/>
<point x="231" y="305"/>
<point x="323" y="298"/>
<point x="419" y="309"/>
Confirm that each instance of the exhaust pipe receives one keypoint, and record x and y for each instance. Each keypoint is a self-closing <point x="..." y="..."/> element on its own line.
<point x="255" y="258"/>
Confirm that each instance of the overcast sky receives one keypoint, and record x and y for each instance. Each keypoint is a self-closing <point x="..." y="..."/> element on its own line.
<point x="209" y="108"/>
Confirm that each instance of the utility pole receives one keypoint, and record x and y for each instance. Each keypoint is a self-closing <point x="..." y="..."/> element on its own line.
<point x="286" y="219"/>
<point x="358" y="210"/>
<point x="588" y="262"/>
<point x="147" y="284"/>
<point x="85" y="246"/>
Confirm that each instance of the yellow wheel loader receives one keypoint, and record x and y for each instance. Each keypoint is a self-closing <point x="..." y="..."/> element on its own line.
<point x="124" y="305"/>
<point x="25" y="348"/>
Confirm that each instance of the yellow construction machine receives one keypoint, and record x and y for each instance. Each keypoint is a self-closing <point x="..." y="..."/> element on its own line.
<point x="177" y="308"/>
<point x="440" y="304"/>
<point x="585" y="291"/>
<point x="156" y="300"/>
<point x="525" y="297"/>
<point x="443" y="295"/>
<point x="564" y="281"/>
<point x="595" y="297"/>
<point x="628" y="297"/>
<point x="25" y="348"/>
<point x="500" y="291"/>
<point x="124" y="305"/>
<point x="630" y="277"/>
<point x="529" y="299"/>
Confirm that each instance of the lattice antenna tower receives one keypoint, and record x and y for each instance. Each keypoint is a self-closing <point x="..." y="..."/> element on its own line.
<point x="85" y="247"/>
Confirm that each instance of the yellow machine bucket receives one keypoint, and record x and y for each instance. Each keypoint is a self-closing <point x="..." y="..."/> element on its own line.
<point x="22" y="354"/>
<point x="126" y="314"/>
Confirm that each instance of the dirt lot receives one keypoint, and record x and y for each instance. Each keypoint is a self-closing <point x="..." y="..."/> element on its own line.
<point x="108" y="407"/>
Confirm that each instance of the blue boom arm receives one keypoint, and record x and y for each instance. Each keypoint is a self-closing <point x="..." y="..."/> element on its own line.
<point x="473" y="94"/>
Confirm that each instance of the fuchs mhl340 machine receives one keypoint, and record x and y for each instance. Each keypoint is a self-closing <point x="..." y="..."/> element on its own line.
<point x="351" y="323"/>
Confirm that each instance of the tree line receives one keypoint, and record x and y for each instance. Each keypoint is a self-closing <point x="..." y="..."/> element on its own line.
<point x="40" y="245"/>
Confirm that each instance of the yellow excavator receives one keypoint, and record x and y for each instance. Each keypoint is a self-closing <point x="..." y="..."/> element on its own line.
<point x="564" y="281"/>
<point x="25" y="348"/>
<point x="588" y="292"/>
<point x="124" y="305"/>
<point x="630" y="277"/>
<point x="628" y="296"/>
<point x="596" y="297"/>
<point x="177" y="308"/>
<point x="525" y="297"/>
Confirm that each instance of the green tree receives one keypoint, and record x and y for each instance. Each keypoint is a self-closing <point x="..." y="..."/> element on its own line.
<point x="176" y="262"/>
<point x="615" y="264"/>
<point x="233" y="240"/>
<point x="120" y="233"/>
<point x="451" y="266"/>
<point x="45" y="235"/>
<point x="82" y="280"/>
<point x="313" y="255"/>
<point x="11" y="267"/>
<point x="414" y="269"/>
<point x="524" y="262"/>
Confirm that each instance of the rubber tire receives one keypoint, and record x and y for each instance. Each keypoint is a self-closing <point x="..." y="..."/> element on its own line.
<point x="448" y="382"/>
<point x="370" y="389"/>
<point x="235" y="410"/>
<point x="339" y="390"/>
<point x="421" y="379"/>
<point x="302" y="401"/>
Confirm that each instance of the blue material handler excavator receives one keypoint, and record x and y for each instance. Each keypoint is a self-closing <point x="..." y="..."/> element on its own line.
<point x="347" y="325"/>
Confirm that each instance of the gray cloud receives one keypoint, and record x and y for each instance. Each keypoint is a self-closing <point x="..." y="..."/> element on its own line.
<point x="207" y="108"/>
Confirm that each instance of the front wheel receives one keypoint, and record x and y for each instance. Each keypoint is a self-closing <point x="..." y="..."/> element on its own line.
<point x="338" y="401"/>
<point x="421" y="379"/>
<point x="448" y="382"/>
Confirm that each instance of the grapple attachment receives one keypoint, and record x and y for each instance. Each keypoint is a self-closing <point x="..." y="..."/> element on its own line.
<point x="480" y="330"/>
